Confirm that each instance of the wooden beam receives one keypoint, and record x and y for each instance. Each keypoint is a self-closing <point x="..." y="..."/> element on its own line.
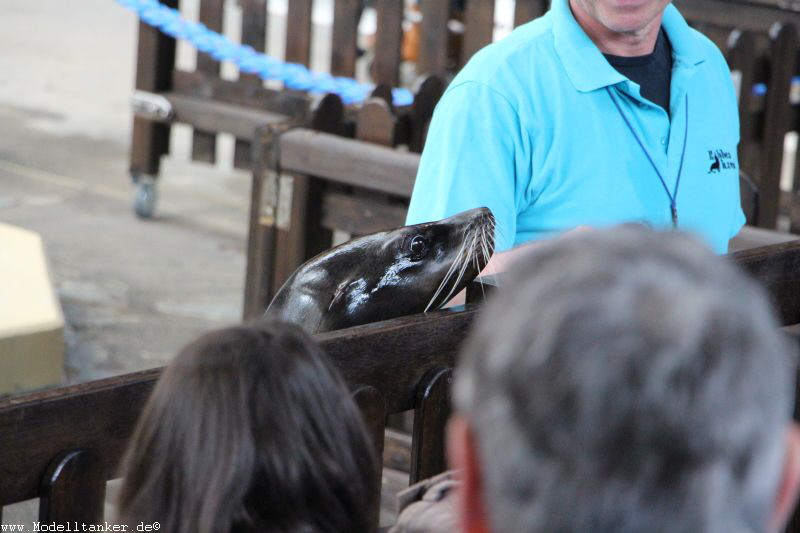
<point x="349" y="162"/>
<point x="741" y="14"/>
<point x="199" y="85"/>
<point x="777" y="268"/>
<point x="99" y="416"/>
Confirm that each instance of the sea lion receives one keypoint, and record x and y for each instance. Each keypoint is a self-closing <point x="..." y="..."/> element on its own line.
<point x="407" y="270"/>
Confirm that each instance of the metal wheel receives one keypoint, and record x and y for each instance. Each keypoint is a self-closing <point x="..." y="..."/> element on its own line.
<point x="144" y="202"/>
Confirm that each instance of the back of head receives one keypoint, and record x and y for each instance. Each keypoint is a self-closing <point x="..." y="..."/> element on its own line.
<point x="627" y="380"/>
<point x="249" y="429"/>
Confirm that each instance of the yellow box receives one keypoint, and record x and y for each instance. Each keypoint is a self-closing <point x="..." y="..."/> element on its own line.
<point x="31" y="321"/>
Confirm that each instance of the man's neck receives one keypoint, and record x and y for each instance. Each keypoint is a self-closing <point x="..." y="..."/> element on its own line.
<point x="625" y="44"/>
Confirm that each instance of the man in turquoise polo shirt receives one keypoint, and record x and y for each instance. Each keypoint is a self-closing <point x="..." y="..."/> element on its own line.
<point x="597" y="113"/>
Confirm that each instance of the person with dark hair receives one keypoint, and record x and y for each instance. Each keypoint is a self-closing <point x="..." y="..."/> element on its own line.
<point x="250" y="429"/>
<point x="626" y="380"/>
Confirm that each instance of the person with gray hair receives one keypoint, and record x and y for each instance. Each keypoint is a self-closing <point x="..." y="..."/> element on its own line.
<point x="625" y="380"/>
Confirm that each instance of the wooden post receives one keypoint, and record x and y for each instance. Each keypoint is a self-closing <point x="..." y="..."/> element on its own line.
<point x="156" y="60"/>
<point x="430" y="418"/>
<point x="204" y="143"/>
<point x="344" y="46"/>
<point x="73" y="489"/>
<point x="389" y="37"/>
<point x="742" y="61"/>
<point x="298" y="32"/>
<point x="424" y="103"/>
<point x="433" y="37"/>
<point x="783" y="65"/>
<point x="527" y="10"/>
<point x="262" y="232"/>
<point x="254" y="33"/>
<point x="373" y="409"/>
<point x="479" y="28"/>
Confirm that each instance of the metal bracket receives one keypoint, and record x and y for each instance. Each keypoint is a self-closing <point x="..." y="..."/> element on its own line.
<point x="151" y="106"/>
<point x="273" y="207"/>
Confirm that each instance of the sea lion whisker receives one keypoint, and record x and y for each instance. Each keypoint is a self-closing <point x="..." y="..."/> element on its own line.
<point x="447" y="275"/>
<point x="460" y="263"/>
<point x="477" y="259"/>
<point x="458" y="280"/>
<point x="463" y="270"/>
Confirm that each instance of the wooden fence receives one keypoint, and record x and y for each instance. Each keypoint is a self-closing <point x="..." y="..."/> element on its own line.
<point x="63" y="444"/>
<point x="202" y="99"/>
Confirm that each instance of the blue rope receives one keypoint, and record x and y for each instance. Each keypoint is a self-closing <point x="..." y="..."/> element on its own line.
<point x="293" y="75"/>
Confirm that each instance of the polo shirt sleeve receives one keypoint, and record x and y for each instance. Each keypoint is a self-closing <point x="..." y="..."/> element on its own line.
<point x="476" y="155"/>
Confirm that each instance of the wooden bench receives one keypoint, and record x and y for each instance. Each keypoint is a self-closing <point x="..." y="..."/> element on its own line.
<point x="63" y="444"/>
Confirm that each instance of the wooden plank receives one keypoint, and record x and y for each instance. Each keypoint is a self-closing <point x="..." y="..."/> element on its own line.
<point x="208" y="115"/>
<point x="358" y="215"/>
<point x="254" y="34"/>
<point x="100" y="415"/>
<point x="290" y="243"/>
<point x="298" y="32"/>
<point x="344" y="46"/>
<point x="155" y="59"/>
<point x="204" y="140"/>
<point x="741" y="58"/>
<point x="783" y="59"/>
<point x="425" y="102"/>
<point x="373" y="409"/>
<point x="388" y="42"/>
<point x="254" y="31"/>
<point x="329" y="115"/>
<point x="199" y="85"/>
<point x="741" y="14"/>
<point x="262" y="229"/>
<point x="409" y="347"/>
<point x="527" y="10"/>
<point x="478" y="27"/>
<point x="375" y="123"/>
<point x="433" y="37"/>
<point x="777" y="267"/>
<point x="38" y="427"/>
<point x="74" y="489"/>
<point x="349" y="162"/>
<point x="430" y="420"/>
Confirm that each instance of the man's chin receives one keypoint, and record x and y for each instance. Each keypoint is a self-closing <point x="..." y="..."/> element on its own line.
<point x="633" y="24"/>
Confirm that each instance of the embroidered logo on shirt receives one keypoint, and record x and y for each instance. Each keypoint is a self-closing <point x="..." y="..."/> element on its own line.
<point x="720" y="160"/>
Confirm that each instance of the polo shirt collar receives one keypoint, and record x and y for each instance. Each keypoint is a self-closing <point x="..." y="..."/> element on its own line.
<point x="588" y="69"/>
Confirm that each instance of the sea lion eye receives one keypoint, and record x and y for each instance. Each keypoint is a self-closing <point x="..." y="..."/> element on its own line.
<point x="418" y="247"/>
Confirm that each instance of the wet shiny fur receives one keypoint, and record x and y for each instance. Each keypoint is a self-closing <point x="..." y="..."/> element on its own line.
<point x="388" y="274"/>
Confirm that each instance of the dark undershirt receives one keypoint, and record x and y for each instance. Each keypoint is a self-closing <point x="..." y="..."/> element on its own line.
<point x="653" y="72"/>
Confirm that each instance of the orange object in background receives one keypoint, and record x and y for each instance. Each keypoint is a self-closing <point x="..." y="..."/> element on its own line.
<point x="409" y="48"/>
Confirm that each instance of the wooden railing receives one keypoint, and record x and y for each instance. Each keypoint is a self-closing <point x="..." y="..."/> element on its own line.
<point x="62" y="445"/>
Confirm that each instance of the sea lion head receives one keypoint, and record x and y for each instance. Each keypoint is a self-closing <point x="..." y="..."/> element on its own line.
<point x="408" y="270"/>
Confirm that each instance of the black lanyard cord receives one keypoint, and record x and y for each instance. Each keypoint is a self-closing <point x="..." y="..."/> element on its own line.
<point x="674" y="194"/>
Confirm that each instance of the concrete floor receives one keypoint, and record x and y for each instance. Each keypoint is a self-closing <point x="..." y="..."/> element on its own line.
<point x="132" y="291"/>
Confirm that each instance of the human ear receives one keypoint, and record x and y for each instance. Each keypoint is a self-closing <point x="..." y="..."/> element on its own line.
<point x="463" y="457"/>
<point x="786" y="497"/>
